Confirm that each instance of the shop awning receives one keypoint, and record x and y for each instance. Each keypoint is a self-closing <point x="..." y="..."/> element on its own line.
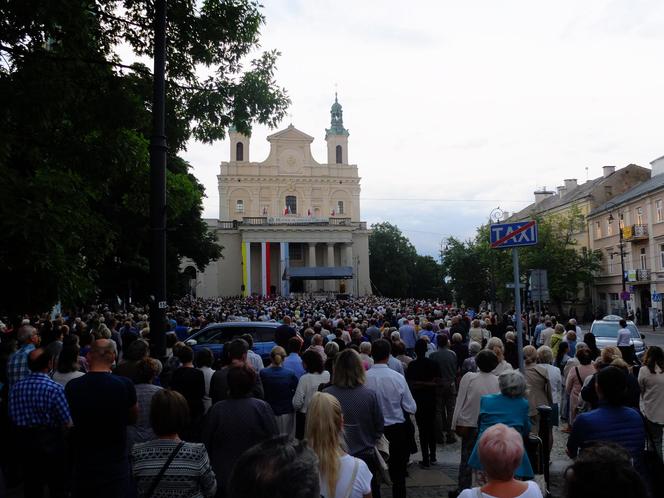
<point x="318" y="273"/>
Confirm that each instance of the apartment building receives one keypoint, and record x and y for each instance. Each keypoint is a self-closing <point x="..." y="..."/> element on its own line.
<point x="639" y="214"/>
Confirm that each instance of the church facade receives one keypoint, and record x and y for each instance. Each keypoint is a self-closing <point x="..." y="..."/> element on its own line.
<point x="289" y="225"/>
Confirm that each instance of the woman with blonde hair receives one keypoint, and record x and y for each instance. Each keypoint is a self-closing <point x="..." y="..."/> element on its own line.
<point x="341" y="475"/>
<point x="279" y="385"/>
<point x="495" y="344"/>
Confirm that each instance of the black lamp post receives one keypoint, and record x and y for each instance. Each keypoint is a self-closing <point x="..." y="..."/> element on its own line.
<point x="158" y="149"/>
<point x="622" y="264"/>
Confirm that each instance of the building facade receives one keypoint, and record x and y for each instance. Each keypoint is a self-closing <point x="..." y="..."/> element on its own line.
<point x="631" y="223"/>
<point x="289" y="224"/>
<point x="584" y="199"/>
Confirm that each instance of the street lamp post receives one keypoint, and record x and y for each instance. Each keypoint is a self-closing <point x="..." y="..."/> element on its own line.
<point x="622" y="264"/>
<point x="158" y="148"/>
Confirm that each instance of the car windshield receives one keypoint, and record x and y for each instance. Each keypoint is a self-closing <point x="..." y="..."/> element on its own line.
<point x="608" y="329"/>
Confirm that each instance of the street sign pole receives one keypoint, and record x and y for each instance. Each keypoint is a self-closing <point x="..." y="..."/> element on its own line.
<point x="517" y="306"/>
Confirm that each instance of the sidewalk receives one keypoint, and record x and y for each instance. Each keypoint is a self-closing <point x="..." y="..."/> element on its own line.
<point x="442" y="477"/>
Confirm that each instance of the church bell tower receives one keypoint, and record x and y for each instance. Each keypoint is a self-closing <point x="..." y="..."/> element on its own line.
<point x="337" y="136"/>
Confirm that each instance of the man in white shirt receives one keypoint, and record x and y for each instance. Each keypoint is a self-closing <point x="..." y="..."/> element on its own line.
<point x="624" y="335"/>
<point x="397" y="403"/>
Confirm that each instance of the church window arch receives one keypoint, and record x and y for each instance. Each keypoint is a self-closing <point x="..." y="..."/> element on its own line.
<point x="239" y="151"/>
<point x="291" y="204"/>
<point x="239" y="206"/>
<point x="339" y="154"/>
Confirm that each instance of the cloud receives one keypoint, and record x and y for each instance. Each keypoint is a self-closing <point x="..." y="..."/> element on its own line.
<point x="472" y="101"/>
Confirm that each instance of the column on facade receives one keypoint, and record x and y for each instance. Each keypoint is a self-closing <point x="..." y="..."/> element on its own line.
<point x="330" y="285"/>
<point x="246" y="268"/>
<point x="350" y="285"/>
<point x="265" y="268"/>
<point x="284" y="263"/>
<point x="311" y="284"/>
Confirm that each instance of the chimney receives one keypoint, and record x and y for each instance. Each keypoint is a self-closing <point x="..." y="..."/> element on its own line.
<point x="657" y="166"/>
<point x="608" y="170"/>
<point x="561" y="190"/>
<point x="540" y="195"/>
<point x="570" y="184"/>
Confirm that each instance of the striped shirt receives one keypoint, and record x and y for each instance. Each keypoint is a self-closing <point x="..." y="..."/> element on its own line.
<point x="189" y="474"/>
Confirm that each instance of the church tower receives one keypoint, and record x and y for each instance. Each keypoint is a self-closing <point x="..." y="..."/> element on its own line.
<point x="239" y="145"/>
<point x="337" y="136"/>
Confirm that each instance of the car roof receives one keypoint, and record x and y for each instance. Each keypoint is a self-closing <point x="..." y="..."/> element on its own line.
<point x="244" y="324"/>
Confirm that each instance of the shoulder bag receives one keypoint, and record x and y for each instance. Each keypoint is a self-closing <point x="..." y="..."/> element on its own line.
<point x="349" y="490"/>
<point x="163" y="470"/>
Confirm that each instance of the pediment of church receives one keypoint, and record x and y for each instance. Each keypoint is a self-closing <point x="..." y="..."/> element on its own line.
<point x="290" y="134"/>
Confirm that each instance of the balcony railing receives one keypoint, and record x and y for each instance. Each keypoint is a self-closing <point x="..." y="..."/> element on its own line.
<point x="642" y="275"/>
<point x="635" y="232"/>
<point x="637" y="275"/>
<point x="290" y="220"/>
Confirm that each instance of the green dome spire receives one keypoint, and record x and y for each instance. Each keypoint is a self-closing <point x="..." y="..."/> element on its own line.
<point x="337" y="120"/>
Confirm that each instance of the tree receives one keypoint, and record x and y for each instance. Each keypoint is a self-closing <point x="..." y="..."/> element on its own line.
<point x="392" y="258"/>
<point x="74" y="128"/>
<point x="478" y="273"/>
<point x="397" y="270"/>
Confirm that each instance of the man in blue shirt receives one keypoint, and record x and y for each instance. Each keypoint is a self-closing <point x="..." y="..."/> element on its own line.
<point x="610" y="421"/>
<point x="293" y="361"/>
<point x="39" y="411"/>
<point x="409" y="337"/>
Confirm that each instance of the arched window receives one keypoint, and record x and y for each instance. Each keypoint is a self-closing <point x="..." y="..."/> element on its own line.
<point x="239" y="151"/>
<point x="291" y="204"/>
<point x="239" y="206"/>
<point x="340" y="207"/>
<point x="339" y="151"/>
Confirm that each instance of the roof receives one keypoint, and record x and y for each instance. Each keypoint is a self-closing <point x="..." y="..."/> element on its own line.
<point x="318" y="272"/>
<point x="290" y="133"/>
<point x="555" y="201"/>
<point x="655" y="183"/>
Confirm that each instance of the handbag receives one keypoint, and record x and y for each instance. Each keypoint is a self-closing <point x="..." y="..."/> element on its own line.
<point x="653" y="461"/>
<point x="157" y="479"/>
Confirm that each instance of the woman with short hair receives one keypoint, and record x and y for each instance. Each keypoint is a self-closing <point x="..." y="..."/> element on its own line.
<point x="510" y="407"/>
<point x="307" y="386"/>
<point x="495" y="344"/>
<point x="545" y="358"/>
<point x="237" y="423"/>
<point x="500" y="451"/>
<point x="341" y="475"/>
<point x="189" y="472"/>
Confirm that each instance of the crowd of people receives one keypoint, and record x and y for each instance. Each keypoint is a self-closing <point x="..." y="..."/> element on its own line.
<point x="349" y="390"/>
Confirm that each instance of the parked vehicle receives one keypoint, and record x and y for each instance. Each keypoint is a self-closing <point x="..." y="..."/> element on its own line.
<point x="606" y="334"/>
<point x="215" y="335"/>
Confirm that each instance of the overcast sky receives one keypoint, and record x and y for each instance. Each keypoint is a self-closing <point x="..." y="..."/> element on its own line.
<point x="476" y="103"/>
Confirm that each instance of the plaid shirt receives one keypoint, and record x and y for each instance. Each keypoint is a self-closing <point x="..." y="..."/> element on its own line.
<point x="17" y="366"/>
<point x="38" y="401"/>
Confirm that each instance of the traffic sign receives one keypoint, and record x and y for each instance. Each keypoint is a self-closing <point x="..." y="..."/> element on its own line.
<point x="507" y="235"/>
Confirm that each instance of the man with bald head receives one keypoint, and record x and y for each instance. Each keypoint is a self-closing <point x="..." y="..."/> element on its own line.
<point x="17" y="366"/>
<point x="102" y="406"/>
<point x="39" y="411"/>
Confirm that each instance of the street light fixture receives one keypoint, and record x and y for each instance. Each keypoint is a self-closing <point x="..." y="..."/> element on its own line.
<point x="622" y="263"/>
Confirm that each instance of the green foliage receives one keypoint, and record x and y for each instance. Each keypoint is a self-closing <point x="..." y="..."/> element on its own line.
<point x="397" y="270"/>
<point x="74" y="134"/>
<point x="477" y="272"/>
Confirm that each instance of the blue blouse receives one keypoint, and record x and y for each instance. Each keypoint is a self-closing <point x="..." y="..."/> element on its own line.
<point x="279" y="384"/>
<point x="513" y="412"/>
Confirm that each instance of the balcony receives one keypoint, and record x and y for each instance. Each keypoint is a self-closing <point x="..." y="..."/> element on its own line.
<point x="637" y="276"/>
<point x="290" y="220"/>
<point x="635" y="232"/>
